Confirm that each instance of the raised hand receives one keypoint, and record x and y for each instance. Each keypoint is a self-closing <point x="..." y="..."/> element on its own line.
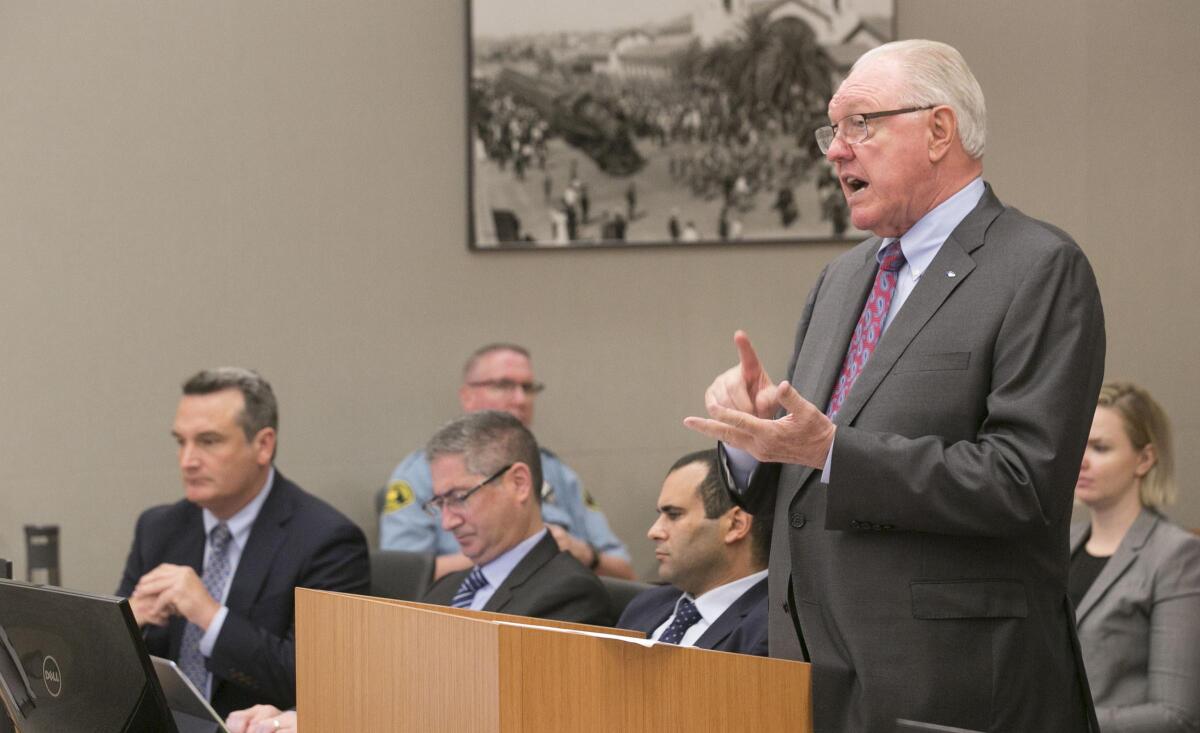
<point x="742" y="403"/>
<point x="745" y="387"/>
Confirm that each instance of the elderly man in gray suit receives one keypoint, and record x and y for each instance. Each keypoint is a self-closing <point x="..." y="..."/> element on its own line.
<point x="920" y="456"/>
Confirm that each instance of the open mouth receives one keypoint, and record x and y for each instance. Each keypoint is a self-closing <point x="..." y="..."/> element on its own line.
<point x="854" y="184"/>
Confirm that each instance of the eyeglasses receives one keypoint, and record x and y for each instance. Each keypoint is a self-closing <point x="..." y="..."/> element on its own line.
<point x="455" y="500"/>
<point x="508" y="386"/>
<point x="854" y="128"/>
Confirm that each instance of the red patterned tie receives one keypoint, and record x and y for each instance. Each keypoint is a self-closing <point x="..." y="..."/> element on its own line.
<point x="870" y="325"/>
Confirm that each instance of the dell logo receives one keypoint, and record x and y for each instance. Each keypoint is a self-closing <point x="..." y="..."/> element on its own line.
<point x="52" y="676"/>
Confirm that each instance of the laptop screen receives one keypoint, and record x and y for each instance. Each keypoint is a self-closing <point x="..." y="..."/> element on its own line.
<point x="75" y="661"/>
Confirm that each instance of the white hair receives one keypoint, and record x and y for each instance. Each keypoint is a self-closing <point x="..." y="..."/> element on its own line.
<point x="936" y="73"/>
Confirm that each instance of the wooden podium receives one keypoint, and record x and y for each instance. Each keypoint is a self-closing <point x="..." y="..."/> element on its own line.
<point x="365" y="663"/>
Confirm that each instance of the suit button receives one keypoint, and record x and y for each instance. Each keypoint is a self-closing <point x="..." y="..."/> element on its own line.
<point x="854" y="524"/>
<point x="798" y="520"/>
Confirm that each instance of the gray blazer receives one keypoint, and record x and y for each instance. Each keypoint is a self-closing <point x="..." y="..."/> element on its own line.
<point x="928" y="580"/>
<point x="1139" y="625"/>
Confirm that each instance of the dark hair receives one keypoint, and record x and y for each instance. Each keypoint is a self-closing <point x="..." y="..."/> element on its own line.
<point x="483" y="351"/>
<point x="260" y="411"/>
<point x="715" y="497"/>
<point x="487" y="441"/>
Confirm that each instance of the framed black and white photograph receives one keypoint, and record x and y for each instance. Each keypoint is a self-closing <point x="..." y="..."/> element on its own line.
<point x="650" y="122"/>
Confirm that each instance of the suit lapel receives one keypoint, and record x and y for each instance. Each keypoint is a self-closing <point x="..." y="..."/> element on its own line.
<point x="1126" y="554"/>
<point x="934" y="288"/>
<point x="817" y="387"/>
<point x="266" y="537"/>
<point x="1079" y="532"/>
<point x="929" y="294"/>
<point x="732" y="618"/>
<point x="540" y="554"/>
<point x="849" y="311"/>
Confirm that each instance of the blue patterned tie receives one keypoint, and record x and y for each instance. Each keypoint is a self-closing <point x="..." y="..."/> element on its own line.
<point x="466" y="591"/>
<point x="686" y="615"/>
<point x="216" y="576"/>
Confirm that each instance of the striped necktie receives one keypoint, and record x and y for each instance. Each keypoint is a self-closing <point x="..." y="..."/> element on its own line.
<point x="466" y="591"/>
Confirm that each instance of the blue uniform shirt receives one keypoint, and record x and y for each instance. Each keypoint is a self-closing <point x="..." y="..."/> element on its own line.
<point x="404" y="525"/>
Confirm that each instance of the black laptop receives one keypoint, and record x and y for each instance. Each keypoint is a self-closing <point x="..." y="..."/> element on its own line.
<point x="76" y="662"/>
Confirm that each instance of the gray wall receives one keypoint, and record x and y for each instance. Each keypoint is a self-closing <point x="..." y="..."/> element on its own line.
<point x="281" y="185"/>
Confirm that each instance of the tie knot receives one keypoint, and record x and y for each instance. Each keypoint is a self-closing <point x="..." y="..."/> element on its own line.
<point x="219" y="537"/>
<point x="892" y="258"/>
<point x="475" y="580"/>
<point x="688" y="611"/>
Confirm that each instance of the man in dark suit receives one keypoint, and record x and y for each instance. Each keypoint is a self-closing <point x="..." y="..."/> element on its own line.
<point x="211" y="578"/>
<point x="921" y="455"/>
<point x="486" y="473"/>
<point x="714" y="555"/>
<point x="485" y="466"/>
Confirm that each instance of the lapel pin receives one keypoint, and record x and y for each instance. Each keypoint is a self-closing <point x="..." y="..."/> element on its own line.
<point x="950" y="273"/>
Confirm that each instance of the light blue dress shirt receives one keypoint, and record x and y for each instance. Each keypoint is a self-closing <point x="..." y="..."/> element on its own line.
<point x="239" y="525"/>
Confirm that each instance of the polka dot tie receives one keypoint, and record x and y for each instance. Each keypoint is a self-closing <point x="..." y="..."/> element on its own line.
<point x="686" y="616"/>
<point x="870" y="325"/>
<point x="466" y="592"/>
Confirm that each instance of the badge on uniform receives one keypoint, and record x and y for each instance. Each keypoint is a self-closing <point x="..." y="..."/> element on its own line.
<point x="547" y="493"/>
<point x="588" y="501"/>
<point x="399" y="495"/>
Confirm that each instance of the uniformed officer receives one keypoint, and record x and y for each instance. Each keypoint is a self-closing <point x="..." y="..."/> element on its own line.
<point x="500" y="377"/>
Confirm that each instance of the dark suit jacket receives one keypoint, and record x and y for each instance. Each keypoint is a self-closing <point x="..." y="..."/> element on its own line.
<point x="546" y="583"/>
<point x="928" y="579"/>
<point x="1139" y="626"/>
<point x="742" y="628"/>
<point x="297" y="540"/>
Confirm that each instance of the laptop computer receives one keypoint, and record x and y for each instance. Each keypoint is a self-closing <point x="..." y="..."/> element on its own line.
<point x="188" y="705"/>
<point x="74" y="661"/>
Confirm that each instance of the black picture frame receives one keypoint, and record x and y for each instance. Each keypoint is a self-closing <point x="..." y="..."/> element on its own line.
<point x="622" y="123"/>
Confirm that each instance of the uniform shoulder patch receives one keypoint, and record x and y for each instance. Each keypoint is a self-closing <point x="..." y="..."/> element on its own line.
<point x="399" y="495"/>
<point x="589" y="501"/>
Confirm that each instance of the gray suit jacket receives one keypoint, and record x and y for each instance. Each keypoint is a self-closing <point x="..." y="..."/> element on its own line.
<point x="1139" y="626"/>
<point x="928" y="580"/>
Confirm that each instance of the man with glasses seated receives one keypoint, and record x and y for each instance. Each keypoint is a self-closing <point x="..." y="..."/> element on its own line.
<point x="485" y="468"/>
<point x="500" y="377"/>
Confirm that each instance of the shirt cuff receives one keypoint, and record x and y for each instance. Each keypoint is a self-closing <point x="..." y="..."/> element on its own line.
<point x="828" y="462"/>
<point x="209" y="640"/>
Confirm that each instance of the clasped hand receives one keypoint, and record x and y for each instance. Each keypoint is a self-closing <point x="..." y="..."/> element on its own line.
<point x="262" y="719"/>
<point x="172" y="590"/>
<point x="742" y="403"/>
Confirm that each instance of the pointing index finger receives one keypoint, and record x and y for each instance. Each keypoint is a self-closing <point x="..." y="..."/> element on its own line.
<point x="751" y="367"/>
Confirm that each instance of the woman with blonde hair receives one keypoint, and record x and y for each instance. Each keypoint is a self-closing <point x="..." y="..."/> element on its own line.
<point x="1135" y="577"/>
